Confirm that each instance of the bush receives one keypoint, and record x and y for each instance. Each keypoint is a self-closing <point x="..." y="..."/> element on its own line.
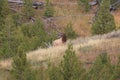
<point x="21" y="68"/>
<point x="54" y="72"/>
<point x="84" y="3"/>
<point x="37" y="35"/>
<point x="101" y="69"/>
<point x="70" y="33"/>
<point x="49" y="10"/>
<point x="28" y="9"/>
<point x="10" y="37"/>
<point x="117" y="70"/>
<point x="71" y="67"/>
<point x="104" y="21"/>
<point x="4" y="11"/>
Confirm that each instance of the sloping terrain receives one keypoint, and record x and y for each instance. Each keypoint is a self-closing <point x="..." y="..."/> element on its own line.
<point x="87" y="49"/>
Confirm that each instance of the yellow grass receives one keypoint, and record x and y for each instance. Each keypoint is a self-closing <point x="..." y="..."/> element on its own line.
<point x="80" y="23"/>
<point x="117" y="18"/>
<point x="87" y="52"/>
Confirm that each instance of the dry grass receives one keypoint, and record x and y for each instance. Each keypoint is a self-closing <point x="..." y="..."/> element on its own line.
<point x="117" y="18"/>
<point x="86" y="50"/>
<point x="80" y="20"/>
<point x="80" y="23"/>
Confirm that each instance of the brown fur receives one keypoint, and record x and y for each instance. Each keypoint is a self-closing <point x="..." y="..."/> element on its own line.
<point x="64" y="38"/>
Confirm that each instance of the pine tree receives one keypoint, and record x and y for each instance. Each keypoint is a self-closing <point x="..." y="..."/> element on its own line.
<point x="28" y="9"/>
<point x="54" y="72"/>
<point x="19" y="64"/>
<point x="20" y="67"/>
<point x="71" y="34"/>
<point x="117" y="70"/>
<point x="17" y="19"/>
<point x="111" y="1"/>
<point x="49" y="10"/>
<point x="7" y="36"/>
<point x="36" y="34"/>
<point x="4" y="11"/>
<point x="101" y="69"/>
<point x="84" y="3"/>
<point x="104" y="21"/>
<point x="71" y="67"/>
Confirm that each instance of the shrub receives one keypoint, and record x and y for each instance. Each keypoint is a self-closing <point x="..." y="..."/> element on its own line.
<point x="54" y="72"/>
<point x="71" y="67"/>
<point x="21" y="68"/>
<point x="117" y="70"/>
<point x="71" y="34"/>
<point x="36" y="35"/>
<point x="28" y="9"/>
<point x="19" y="64"/>
<point x="4" y="11"/>
<point x="104" y="21"/>
<point x="101" y="69"/>
<point x="9" y="37"/>
<point x="49" y="10"/>
<point x="84" y="3"/>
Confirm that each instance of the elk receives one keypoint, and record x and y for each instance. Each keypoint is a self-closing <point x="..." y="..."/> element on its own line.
<point x="61" y="41"/>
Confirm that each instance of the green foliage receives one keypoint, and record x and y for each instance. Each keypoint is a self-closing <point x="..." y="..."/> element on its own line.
<point x="117" y="70"/>
<point x="19" y="64"/>
<point x="104" y="21"/>
<point x="111" y="1"/>
<point x="71" y="34"/>
<point x="54" y="72"/>
<point x="84" y="3"/>
<point x="9" y="37"/>
<point x="102" y="69"/>
<point x="21" y="68"/>
<point x="36" y="35"/>
<point x="28" y="9"/>
<point x="17" y="19"/>
<point x="4" y="11"/>
<point x="71" y="67"/>
<point x="49" y="10"/>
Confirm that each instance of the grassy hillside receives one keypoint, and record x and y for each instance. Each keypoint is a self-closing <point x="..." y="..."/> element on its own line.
<point x="66" y="12"/>
<point x="86" y="48"/>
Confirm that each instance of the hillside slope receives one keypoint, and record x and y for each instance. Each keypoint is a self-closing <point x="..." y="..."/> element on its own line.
<point x="83" y="46"/>
<point x="87" y="49"/>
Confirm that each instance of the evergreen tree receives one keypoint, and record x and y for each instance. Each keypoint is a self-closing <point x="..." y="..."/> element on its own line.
<point x="4" y="11"/>
<point x="84" y="3"/>
<point x="104" y="21"/>
<point x="71" y="67"/>
<point x="101" y="69"/>
<point x="19" y="64"/>
<point x="7" y="36"/>
<point x="49" y="11"/>
<point x="117" y="70"/>
<point x="111" y="1"/>
<point x="21" y="68"/>
<point x="28" y="9"/>
<point x="17" y="18"/>
<point x="10" y="37"/>
<point x="36" y="34"/>
<point x="54" y="72"/>
<point x="71" y="34"/>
